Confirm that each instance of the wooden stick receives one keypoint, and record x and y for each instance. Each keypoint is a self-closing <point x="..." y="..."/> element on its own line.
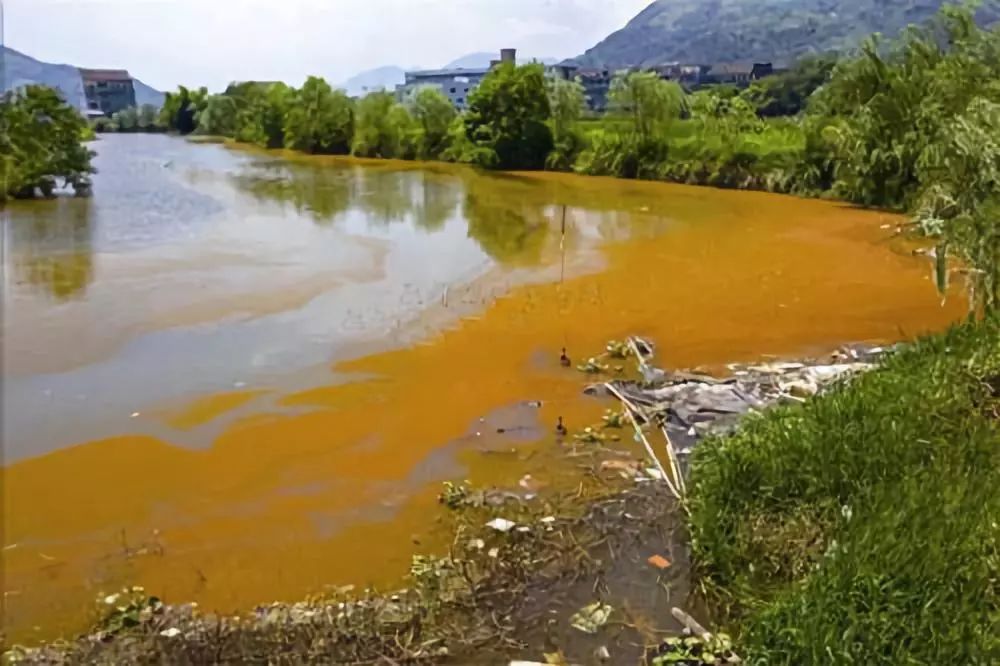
<point x="638" y="357"/>
<point x="645" y="442"/>
<point x="674" y="461"/>
<point x="692" y="624"/>
<point x="698" y="630"/>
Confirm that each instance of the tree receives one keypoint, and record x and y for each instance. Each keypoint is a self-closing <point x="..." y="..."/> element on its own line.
<point x="651" y="103"/>
<point x="882" y="110"/>
<point x="40" y="142"/>
<point x="507" y="118"/>
<point x="320" y="119"/>
<point x="381" y="126"/>
<point x="127" y="119"/>
<point x="434" y="114"/>
<point x="566" y="101"/>
<point x="786" y="94"/>
<point x="960" y="204"/>
<point x="180" y="109"/>
<point x="148" y="118"/>
<point x="218" y="118"/>
<point x="260" y="118"/>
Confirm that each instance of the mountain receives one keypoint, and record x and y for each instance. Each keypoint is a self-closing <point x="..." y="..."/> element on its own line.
<point x="148" y="95"/>
<point x="482" y="59"/>
<point x="22" y="70"/>
<point x="714" y="31"/>
<point x="384" y="78"/>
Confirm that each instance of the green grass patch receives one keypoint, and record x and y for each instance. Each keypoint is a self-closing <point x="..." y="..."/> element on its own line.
<point x="862" y="526"/>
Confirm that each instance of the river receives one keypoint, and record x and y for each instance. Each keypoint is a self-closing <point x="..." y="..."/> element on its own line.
<point x="233" y="376"/>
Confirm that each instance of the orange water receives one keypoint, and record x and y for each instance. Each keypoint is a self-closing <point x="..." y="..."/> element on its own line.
<point x="330" y="482"/>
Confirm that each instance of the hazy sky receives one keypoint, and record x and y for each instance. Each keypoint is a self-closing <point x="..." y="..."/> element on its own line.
<point x="212" y="42"/>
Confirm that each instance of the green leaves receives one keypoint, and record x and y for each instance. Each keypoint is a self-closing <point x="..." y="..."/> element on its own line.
<point x="318" y="119"/>
<point x="507" y="118"/>
<point x="40" y="141"/>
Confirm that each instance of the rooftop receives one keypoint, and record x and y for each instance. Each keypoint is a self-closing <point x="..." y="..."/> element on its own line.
<point x="473" y="71"/>
<point x="105" y="74"/>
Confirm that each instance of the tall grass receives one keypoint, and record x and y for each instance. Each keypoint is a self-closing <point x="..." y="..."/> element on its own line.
<point x="862" y="527"/>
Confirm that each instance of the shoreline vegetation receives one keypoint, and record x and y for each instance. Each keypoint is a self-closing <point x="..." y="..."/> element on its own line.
<point x="911" y="126"/>
<point x="856" y="527"/>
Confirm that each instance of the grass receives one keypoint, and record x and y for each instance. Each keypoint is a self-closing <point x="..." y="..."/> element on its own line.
<point x="860" y="527"/>
<point x="690" y="152"/>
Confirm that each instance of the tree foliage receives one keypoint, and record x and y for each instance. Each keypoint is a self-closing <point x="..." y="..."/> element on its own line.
<point x="41" y="141"/>
<point x="218" y="118"/>
<point x="382" y="126"/>
<point x="567" y="102"/>
<point x="434" y="115"/>
<point x="319" y="119"/>
<point x="180" y="109"/>
<point x="650" y="103"/>
<point x="507" y="118"/>
<point x="787" y="93"/>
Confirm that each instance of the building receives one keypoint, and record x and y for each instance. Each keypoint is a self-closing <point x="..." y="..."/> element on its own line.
<point x="689" y="76"/>
<point x="107" y="90"/>
<point x="456" y="84"/>
<point x="739" y="74"/>
<point x="596" y="85"/>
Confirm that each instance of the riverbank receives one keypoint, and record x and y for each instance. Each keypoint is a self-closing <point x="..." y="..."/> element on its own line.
<point x="860" y="528"/>
<point x="866" y="510"/>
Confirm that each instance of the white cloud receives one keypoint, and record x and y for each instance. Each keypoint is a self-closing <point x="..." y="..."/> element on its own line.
<point x="211" y="42"/>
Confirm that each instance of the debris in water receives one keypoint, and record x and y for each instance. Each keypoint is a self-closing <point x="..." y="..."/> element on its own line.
<point x="659" y="562"/>
<point x="625" y="468"/>
<point x="592" y="367"/>
<point x="134" y="414"/>
<point x="590" y="619"/>
<point x="501" y="524"/>
<point x="172" y="632"/>
<point x="654" y="473"/>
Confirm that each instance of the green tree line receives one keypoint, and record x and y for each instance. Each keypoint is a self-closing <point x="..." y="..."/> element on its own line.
<point x="911" y="125"/>
<point x="144" y="118"/>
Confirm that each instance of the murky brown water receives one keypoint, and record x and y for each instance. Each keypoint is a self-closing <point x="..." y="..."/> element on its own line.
<point x="255" y="369"/>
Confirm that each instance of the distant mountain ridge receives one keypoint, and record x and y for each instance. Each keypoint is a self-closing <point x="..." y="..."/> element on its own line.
<point x="716" y="31"/>
<point x="20" y="69"/>
<point x="483" y="59"/>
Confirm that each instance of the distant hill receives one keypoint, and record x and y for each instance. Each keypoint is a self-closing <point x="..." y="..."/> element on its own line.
<point x="22" y="70"/>
<point x="148" y="95"/>
<point x="389" y="76"/>
<point x="713" y="31"/>
<point x="380" y="78"/>
<point x="482" y="59"/>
